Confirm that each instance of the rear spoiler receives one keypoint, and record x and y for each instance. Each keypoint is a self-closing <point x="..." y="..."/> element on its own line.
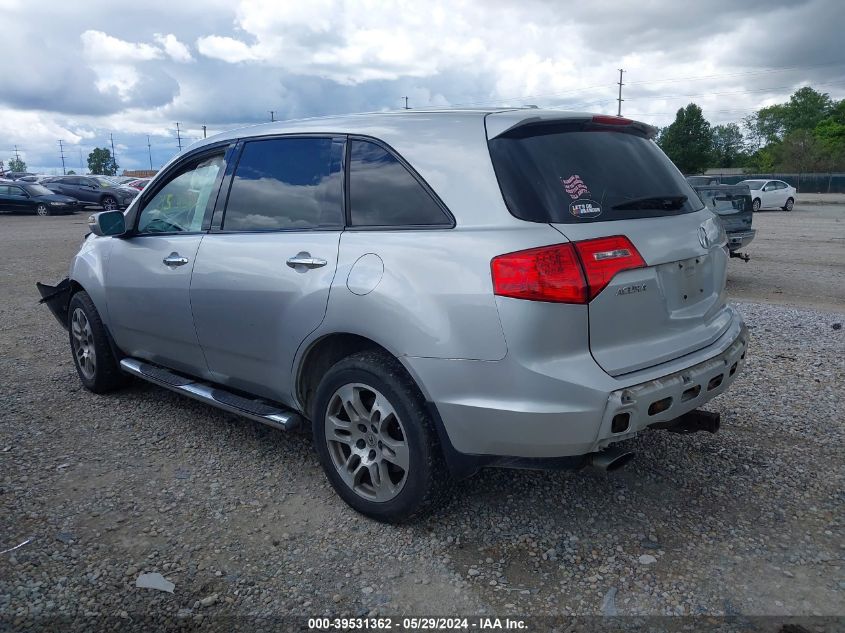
<point x="597" y="120"/>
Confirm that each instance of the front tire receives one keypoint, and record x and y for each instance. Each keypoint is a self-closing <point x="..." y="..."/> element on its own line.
<point x="92" y="355"/>
<point x="376" y="441"/>
<point x="790" y="203"/>
<point x="42" y="210"/>
<point x="109" y="203"/>
<point x="755" y="206"/>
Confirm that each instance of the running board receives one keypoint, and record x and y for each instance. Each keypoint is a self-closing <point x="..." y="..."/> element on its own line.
<point x="254" y="409"/>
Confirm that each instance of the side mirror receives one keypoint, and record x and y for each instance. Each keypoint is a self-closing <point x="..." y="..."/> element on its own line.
<point x="107" y="223"/>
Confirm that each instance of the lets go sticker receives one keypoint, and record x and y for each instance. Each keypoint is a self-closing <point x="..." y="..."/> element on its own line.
<point x="585" y="209"/>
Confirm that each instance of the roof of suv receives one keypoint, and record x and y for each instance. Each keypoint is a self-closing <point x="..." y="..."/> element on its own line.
<point x="447" y="147"/>
<point x="376" y="123"/>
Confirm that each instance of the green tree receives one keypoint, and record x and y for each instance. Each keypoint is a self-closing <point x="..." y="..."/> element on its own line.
<point x="17" y="164"/>
<point x="688" y="140"/>
<point x="728" y="145"/>
<point x="806" y="109"/>
<point x="100" y="161"/>
<point x="830" y="134"/>
<point x="799" y="151"/>
<point x="71" y="172"/>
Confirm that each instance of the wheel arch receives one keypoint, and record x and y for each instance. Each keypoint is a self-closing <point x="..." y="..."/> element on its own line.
<point x="327" y="350"/>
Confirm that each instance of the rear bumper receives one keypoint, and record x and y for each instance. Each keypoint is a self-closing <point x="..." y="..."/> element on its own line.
<point x="740" y="239"/>
<point x="565" y="407"/>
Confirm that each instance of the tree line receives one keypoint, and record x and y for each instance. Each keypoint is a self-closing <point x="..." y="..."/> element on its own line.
<point x="805" y="134"/>
<point x="100" y="161"/>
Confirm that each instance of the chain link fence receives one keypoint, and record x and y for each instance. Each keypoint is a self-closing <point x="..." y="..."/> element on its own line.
<point x="805" y="183"/>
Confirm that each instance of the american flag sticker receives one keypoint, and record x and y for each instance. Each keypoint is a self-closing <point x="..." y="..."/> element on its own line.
<point x="574" y="186"/>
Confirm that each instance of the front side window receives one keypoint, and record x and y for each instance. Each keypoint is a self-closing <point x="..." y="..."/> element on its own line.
<point x="286" y="184"/>
<point x="382" y="192"/>
<point x="179" y="206"/>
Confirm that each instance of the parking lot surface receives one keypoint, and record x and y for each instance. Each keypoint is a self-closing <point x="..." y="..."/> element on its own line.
<point x="241" y="519"/>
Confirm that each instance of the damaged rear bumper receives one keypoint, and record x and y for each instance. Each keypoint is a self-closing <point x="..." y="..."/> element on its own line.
<point x="57" y="299"/>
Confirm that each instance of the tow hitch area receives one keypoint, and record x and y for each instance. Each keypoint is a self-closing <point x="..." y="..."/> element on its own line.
<point x="57" y="299"/>
<point x="743" y="256"/>
<point x="691" y="422"/>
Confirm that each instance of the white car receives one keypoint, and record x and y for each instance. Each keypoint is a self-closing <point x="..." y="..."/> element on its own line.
<point x="771" y="194"/>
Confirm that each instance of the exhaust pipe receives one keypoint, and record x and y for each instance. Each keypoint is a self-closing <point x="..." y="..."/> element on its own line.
<point x="692" y="422"/>
<point x="610" y="459"/>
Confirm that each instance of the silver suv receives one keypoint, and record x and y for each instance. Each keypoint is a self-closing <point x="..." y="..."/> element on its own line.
<point x="435" y="292"/>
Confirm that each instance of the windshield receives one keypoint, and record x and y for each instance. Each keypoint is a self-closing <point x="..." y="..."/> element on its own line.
<point x="754" y="184"/>
<point x="579" y="172"/>
<point x="105" y="182"/>
<point x="37" y="190"/>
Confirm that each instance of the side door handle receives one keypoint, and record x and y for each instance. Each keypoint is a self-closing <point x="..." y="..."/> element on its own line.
<point x="306" y="261"/>
<point x="174" y="259"/>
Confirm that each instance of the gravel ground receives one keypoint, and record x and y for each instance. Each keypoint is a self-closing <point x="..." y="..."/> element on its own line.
<point x="242" y="520"/>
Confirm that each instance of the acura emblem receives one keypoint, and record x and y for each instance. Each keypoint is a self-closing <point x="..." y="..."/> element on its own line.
<point x="703" y="238"/>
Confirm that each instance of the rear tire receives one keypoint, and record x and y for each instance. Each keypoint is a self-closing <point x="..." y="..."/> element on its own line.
<point x="42" y="210"/>
<point x="790" y="203"/>
<point x="93" y="358"/>
<point x="369" y="421"/>
<point x="755" y="206"/>
<point x="109" y="203"/>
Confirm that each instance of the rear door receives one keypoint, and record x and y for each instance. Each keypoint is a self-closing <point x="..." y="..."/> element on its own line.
<point x="600" y="178"/>
<point x="148" y="275"/>
<point x="262" y="276"/>
<point x="7" y="204"/>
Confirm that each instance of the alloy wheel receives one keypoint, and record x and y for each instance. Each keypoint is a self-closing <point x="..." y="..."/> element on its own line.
<point x="83" y="344"/>
<point x="109" y="204"/>
<point x="367" y="442"/>
<point x="42" y="210"/>
<point x="789" y="204"/>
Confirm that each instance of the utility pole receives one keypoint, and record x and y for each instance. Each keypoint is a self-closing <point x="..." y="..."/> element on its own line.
<point x="62" y="152"/>
<point x="17" y="156"/>
<point x="272" y="116"/>
<point x="406" y="103"/>
<point x="81" y="169"/>
<point x="150" y="150"/>
<point x="203" y="132"/>
<point x="178" y="136"/>
<point x="620" y="99"/>
<point x="113" y="157"/>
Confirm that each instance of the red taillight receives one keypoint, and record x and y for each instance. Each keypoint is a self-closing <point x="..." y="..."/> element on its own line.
<point x="608" y="119"/>
<point x="564" y="273"/>
<point x="551" y="273"/>
<point x="602" y="258"/>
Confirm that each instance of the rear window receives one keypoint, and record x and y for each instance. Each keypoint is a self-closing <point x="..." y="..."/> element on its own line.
<point x="580" y="172"/>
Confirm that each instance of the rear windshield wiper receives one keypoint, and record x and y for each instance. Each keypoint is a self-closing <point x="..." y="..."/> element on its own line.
<point x="668" y="203"/>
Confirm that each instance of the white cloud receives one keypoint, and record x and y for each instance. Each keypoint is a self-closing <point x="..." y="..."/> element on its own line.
<point x="100" y="47"/>
<point x="176" y="50"/>
<point x="226" y="49"/>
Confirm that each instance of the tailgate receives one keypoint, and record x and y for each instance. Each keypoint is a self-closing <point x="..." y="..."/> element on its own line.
<point x="672" y="307"/>
<point x="731" y="203"/>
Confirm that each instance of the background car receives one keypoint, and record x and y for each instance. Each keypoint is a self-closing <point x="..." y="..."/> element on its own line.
<point x="92" y="191"/>
<point x="14" y="175"/>
<point x="771" y="194"/>
<point x="27" y="197"/>
<point x="35" y="178"/>
<point x="138" y="184"/>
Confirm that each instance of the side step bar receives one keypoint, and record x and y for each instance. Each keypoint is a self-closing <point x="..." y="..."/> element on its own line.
<point x="254" y="409"/>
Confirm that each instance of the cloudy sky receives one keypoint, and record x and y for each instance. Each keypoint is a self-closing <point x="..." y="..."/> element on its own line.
<point x="79" y="71"/>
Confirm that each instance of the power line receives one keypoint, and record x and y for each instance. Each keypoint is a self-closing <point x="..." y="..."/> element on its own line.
<point x="645" y="81"/>
<point x="619" y="100"/>
<point x="113" y="155"/>
<point x="62" y="152"/>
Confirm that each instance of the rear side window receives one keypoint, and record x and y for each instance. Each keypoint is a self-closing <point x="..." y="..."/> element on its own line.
<point x="579" y="172"/>
<point x="382" y="192"/>
<point x="287" y="184"/>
